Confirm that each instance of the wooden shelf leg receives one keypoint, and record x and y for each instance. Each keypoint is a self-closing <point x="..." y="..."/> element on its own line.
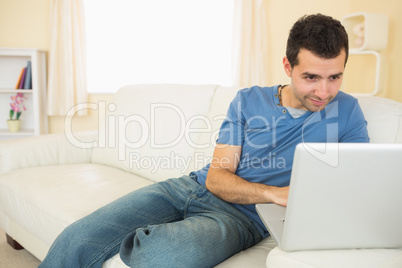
<point x="14" y="244"/>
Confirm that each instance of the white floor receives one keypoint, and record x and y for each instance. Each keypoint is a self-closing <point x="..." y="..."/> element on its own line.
<point x="11" y="258"/>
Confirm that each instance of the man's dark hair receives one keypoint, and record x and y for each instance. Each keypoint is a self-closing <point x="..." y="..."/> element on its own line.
<point x="322" y="35"/>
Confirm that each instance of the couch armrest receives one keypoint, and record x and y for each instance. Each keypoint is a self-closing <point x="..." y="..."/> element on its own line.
<point x="50" y="149"/>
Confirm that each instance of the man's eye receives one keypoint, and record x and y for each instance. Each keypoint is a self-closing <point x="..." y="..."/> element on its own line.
<point x="310" y="77"/>
<point x="335" y="77"/>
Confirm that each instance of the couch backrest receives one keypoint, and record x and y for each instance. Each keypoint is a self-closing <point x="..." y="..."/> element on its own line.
<point x="216" y="114"/>
<point x="163" y="131"/>
<point x="150" y="129"/>
<point x="384" y="119"/>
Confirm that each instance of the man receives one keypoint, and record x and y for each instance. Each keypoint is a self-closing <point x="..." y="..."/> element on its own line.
<point x="204" y="218"/>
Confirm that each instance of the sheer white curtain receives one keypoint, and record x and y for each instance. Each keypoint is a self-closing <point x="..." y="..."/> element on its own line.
<point x="251" y="43"/>
<point x="67" y="58"/>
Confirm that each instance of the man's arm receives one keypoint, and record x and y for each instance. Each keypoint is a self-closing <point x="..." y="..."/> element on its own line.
<point x="222" y="182"/>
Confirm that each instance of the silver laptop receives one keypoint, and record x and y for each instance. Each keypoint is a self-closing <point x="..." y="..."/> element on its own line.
<point x="342" y="195"/>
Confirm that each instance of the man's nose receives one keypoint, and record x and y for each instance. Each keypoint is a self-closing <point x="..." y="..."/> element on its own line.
<point x="322" y="90"/>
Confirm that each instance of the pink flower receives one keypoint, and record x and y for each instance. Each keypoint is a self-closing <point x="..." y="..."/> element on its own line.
<point x="17" y="106"/>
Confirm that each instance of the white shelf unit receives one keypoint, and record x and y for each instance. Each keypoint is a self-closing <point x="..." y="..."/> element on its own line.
<point x="34" y="119"/>
<point x="379" y="73"/>
<point x="372" y="28"/>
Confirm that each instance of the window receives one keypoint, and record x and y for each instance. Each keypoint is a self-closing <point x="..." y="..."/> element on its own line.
<point x="158" y="41"/>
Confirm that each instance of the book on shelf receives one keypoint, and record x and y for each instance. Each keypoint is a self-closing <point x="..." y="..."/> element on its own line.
<point x="28" y="77"/>
<point x="24" y="71"/>
<point x="17" y="86"/>
<point x="25" y="78"/>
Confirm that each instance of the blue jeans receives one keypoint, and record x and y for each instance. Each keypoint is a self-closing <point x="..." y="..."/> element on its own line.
<point x="174" y="223"/>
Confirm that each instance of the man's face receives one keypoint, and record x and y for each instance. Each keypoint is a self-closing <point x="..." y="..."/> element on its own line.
<point x="314" y="81"/>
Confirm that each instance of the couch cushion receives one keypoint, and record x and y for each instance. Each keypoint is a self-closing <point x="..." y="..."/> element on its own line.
<point x="149" y="129"/>
<point x="217" y="113"/>
<point x="36" y="197"/>
<point x="252" y="257"/>
<point x="384" y="118"/>
<point x="367" y="258"/>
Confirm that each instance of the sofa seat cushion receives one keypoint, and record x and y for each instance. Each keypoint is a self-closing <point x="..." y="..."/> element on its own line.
<point x="351" y="258"/>
<point x="252" y="257"/>
<point x="56" y="196"/>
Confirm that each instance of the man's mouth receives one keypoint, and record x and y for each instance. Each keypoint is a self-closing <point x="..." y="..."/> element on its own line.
<point x="317" y="102"/>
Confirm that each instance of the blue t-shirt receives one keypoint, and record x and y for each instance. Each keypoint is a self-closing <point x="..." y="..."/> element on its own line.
<point x="268" y="135"/>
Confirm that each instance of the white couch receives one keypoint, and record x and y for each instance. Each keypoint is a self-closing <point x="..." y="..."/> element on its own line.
<point x="148" y="133"/>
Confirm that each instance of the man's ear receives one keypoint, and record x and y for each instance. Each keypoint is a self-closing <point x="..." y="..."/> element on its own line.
<point x="287" y="66"/>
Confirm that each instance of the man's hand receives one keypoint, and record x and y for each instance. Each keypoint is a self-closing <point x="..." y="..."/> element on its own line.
<point x="280" y="196"/>
<point x="225" y="184"/>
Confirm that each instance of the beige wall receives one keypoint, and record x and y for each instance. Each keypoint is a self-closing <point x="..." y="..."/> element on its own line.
<point x="25" y="23"/>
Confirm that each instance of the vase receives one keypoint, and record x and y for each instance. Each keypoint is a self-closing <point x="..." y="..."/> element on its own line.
<point x="13" y="125"/>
